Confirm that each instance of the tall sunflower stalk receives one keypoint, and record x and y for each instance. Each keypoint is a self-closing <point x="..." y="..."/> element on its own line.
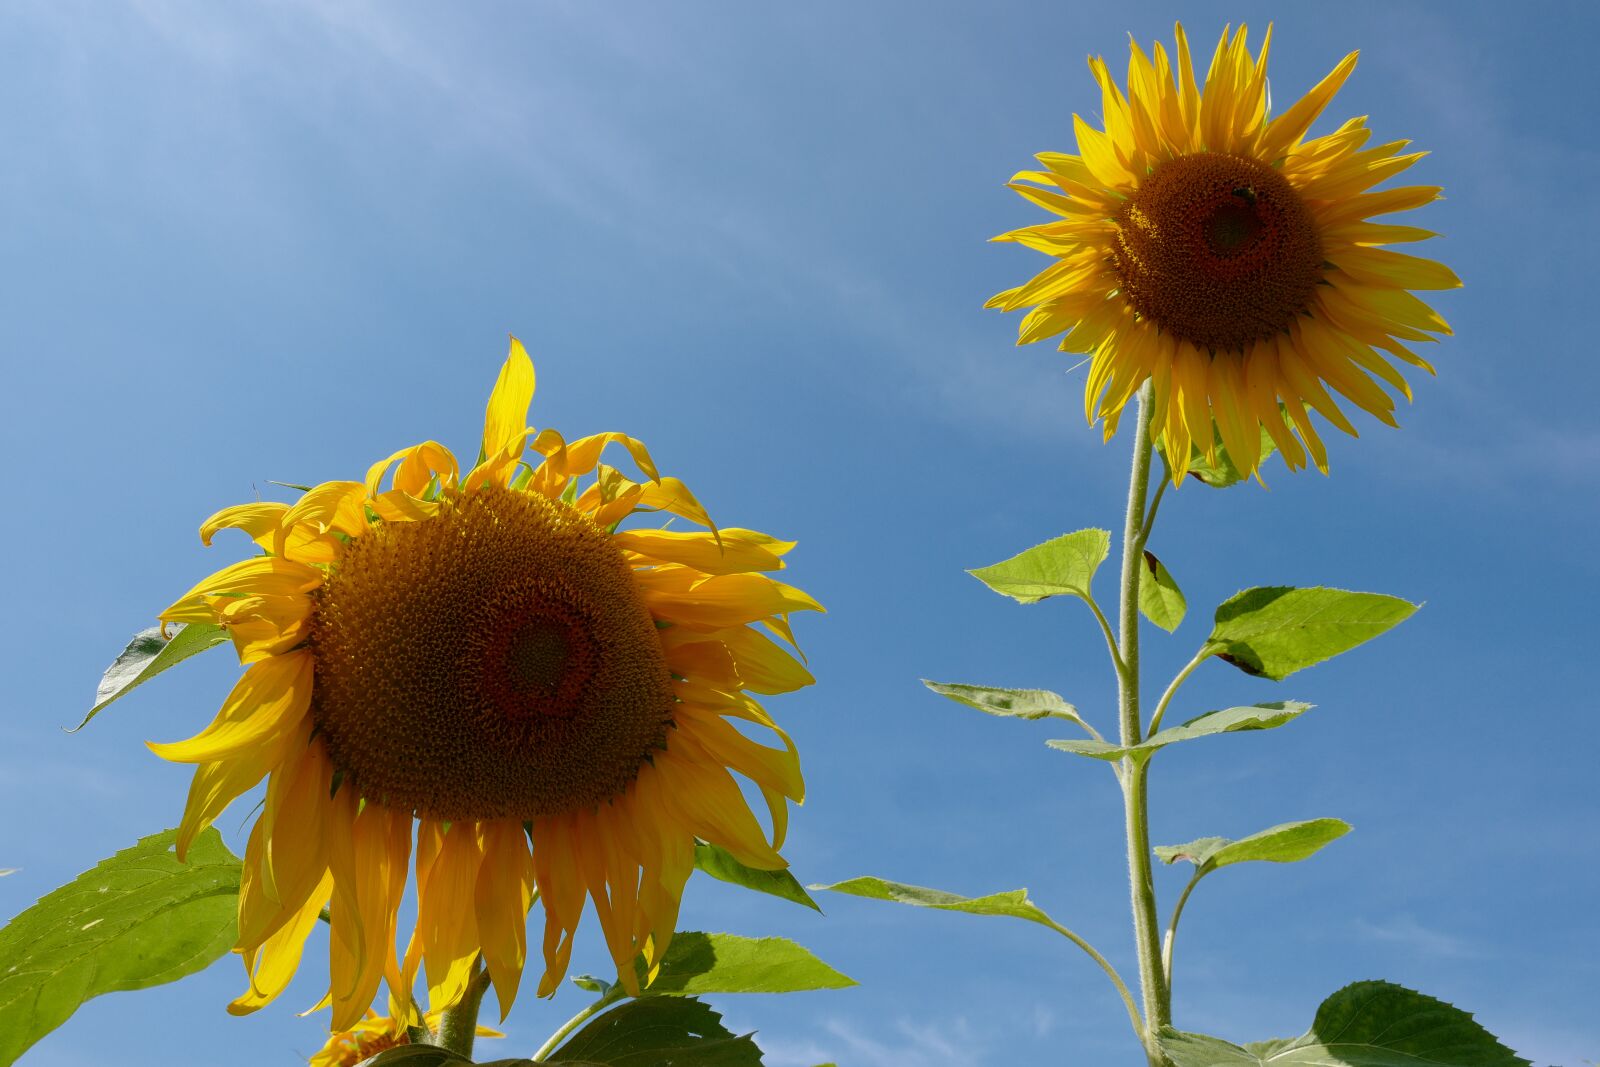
<point x="1220" y="269"/>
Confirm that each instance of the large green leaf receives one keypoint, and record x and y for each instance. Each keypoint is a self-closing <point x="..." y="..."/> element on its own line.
<point x="147" y="655"/>
<point x="720" y="864"/>
<point x="1226" y="721"/>
<point x="1063" y="566"/>
<point x="698" y="963"/>
<point x="1007" y="703"/>
<point x="1013" y="902"/>
<point x="1367" y="1024"/>
<point x="658" y="1032"/>
<point x="1160" y="599"/>
<point x="1287" y="842"/>
<point x="421" y="1056"/>
<point x="1275" y="630"/>
<point x="136" y="920"/>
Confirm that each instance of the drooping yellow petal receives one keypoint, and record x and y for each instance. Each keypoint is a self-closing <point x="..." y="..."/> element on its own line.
<point x="736" y="551"/>
<point x="273" y="964"/>
<point x="419" y="465"/>
<point x="503" y="894"/>
<point x="267" y="703"/>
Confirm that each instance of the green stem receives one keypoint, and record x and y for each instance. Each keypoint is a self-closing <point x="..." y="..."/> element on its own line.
<point x="459" y="1026"/>
<point x="1172" y="690"/>
<point x="1172" y="926"/>
<point x="608" y="998"/>
<point x="1135" y="793"/>
<point x="1111" y="637"/>
<point x="1155" y="504"/>
<point x="1111" y="972"/>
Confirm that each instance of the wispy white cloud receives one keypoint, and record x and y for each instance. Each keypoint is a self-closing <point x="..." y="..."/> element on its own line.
<point x="1406" y="933"/>
<point x="949" y="1043"/>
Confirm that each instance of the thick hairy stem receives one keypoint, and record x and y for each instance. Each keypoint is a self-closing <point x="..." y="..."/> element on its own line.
<point x="459" y="1025"/>
<point x="1141" y="883"/>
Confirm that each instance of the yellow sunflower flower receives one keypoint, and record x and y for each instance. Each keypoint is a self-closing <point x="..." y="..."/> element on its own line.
<point x="482" y="678"/>
<point x="372" y="1035"/>
<point x="1210" y="248"/>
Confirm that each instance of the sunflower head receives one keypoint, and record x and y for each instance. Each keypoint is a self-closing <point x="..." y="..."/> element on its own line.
<point x="372" y="1035"/>
<point x="1210" y="248"/>
<point x="484" y="686"/>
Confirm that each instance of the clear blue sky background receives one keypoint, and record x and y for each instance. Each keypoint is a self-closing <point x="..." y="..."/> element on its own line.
<point x="277" y="241"/>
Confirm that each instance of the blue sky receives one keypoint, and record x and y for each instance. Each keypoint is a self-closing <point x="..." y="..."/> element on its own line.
<point x="278" y="241"/>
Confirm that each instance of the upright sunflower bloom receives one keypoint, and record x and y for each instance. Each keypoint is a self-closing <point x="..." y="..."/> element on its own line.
<point x="482" y="679"/>
<point x="1210" y="248"/>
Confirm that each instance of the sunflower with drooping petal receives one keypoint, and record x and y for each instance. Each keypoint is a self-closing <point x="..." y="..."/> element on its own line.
<point x="372" y="1035"/>
<point x="1210" y="248"/>
<point x="482" y="678"/>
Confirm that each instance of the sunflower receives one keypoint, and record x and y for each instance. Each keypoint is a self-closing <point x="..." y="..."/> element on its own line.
<point x="482" y="679"/>
<point x="372" y="1035"/>
<point x="1208" y="247"/>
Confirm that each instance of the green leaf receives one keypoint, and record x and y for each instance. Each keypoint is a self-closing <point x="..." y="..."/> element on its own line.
<point x="147" y="655"/>
<point x="1013" y="902"/>
<point x="1224" y="473"/>
<point x="719" y="863"/>
<point x="1227" y="721"/>
<point x="1160" y="599"/>
<point x="136" y="920"/>
<point x="420" y="1056"/>
<point x="1275" y="630"/>
<point x="1287" y="842"/>
<point x="1104" y="750"/>
<point x="1063" y="566"/>
<point x="1230" y="721"/>
<point x="1007" y="703"/>
<point x="698" y="963"/>
<point x="658" y="1032"/>
<point x="1366" y="1024"/>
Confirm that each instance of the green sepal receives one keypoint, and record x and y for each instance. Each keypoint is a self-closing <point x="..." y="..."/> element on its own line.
<point x="147" y="655"/>
<point x="1062" y="566"/>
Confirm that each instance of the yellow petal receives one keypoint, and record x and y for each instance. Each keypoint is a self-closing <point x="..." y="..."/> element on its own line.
<point x="269" y="700"/>
<point x="419" y="464"/>
<point x="274" y="963"/>
<point x="736" y="551"/>
<point x="502" y="897"/>
<point x="258" y="520"/>
<point x="507" y="413"/>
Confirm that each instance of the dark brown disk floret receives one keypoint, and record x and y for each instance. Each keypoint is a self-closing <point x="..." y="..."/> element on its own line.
<point x="493" y="661"/>
<point x="1218" y="250"/>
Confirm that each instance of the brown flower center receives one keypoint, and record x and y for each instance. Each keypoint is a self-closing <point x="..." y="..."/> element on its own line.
<point x="493" y="661"/>
<point x="1218" y="250"/>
